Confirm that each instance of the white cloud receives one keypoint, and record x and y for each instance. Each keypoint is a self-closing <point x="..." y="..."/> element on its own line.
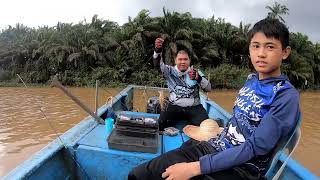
<point x="35" y="13"/>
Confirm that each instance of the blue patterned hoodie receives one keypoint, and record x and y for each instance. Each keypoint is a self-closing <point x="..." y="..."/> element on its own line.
<point x="184" y="92"/>
<point x="264" y="111"/>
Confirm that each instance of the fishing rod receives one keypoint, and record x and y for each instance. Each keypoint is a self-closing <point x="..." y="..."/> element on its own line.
<point x="108" y="100"/>
<point x="56" y="133"/>
<point x="57" y="84"/>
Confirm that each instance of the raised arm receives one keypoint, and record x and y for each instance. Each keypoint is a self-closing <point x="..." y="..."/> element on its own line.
<point x="157" y="57"/>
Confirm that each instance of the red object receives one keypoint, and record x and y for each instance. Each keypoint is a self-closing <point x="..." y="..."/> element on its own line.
<point x="193" y="74"/>
<point x="158" y="43"/>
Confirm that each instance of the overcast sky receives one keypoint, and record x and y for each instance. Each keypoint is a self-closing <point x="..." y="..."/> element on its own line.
<point x="304" y="14"/>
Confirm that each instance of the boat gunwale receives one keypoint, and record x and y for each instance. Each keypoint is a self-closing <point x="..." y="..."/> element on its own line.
<point x="69" y="139"/>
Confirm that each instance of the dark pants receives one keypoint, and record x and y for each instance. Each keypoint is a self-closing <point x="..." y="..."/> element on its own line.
<point x="190" y="151"/>
<point x="173" y="114"/>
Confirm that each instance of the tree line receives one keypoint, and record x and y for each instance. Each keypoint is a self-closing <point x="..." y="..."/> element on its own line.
<point x="117" y="55"/>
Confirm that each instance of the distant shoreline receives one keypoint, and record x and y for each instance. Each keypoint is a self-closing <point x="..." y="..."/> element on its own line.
<point x="39" y="85"/>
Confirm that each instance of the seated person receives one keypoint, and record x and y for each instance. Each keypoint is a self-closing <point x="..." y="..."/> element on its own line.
<point x="266" y="110"/>
<point x="184" y="84"/>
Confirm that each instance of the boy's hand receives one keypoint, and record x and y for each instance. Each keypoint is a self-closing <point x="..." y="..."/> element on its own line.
<point x="182" y="171"/>
<point x="158" y="45"/>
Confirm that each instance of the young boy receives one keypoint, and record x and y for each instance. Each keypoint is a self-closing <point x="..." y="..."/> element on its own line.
<point x="265" y="111"/>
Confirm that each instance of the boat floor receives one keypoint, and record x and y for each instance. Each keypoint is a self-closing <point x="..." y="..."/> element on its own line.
<point x="99" y="161"/>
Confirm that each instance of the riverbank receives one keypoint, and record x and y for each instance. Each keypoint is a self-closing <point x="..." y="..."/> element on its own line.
<point x="119" y="85"/>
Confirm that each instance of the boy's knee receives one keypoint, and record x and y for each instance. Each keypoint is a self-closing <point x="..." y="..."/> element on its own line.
<point x="132" y="174"/>
<point x="138" y="172"/>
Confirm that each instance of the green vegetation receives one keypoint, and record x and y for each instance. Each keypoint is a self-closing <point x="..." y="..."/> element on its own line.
<point x="118" y="55"/>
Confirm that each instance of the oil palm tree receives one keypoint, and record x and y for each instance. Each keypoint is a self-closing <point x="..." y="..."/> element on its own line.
<point x="277" y="10"/>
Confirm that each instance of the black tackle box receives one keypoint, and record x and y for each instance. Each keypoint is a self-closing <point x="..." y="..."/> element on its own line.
<point x="132" y="133"/>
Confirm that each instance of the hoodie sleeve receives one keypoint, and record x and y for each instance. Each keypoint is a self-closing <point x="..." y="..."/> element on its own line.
<point x="204" y="83"/>
<point x="277" y="122"/>
<point x="165" y="69"/>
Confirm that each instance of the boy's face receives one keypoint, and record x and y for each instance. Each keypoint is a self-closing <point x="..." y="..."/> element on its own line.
<point x="182" y="62"/>
<point x="266" y="55"/>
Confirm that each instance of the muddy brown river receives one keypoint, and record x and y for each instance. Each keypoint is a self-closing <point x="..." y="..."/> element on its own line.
<point x="24" y="129"/>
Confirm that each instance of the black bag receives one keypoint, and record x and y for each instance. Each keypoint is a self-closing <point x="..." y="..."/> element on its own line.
<point x="153" y="105"/>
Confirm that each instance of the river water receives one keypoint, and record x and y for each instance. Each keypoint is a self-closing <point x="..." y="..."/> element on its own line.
<point x="24" y="129"/>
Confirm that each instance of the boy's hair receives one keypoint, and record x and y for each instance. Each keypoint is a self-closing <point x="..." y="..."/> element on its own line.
<point x="271" y="28"/>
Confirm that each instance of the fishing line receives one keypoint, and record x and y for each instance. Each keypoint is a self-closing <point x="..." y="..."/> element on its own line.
<point x="57" y="134"/>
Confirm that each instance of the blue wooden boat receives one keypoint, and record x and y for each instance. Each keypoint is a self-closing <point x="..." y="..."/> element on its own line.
<point x="83" y="153"/>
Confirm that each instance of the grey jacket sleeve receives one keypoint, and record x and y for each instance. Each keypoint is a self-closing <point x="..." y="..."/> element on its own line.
<point x="165" y="69"/>
<point x="204" y="83"/>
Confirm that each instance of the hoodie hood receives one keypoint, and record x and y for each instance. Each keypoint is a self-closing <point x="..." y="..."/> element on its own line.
<point x="282" y="77"/>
